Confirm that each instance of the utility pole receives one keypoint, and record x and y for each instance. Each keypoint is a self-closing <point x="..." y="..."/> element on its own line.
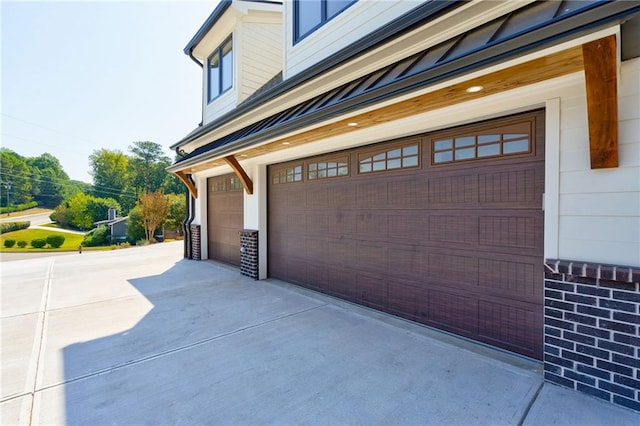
<point x="7" y="186"/>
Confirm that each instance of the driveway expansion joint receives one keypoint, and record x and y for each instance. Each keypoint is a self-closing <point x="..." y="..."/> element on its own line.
<point x="168" y="352"/>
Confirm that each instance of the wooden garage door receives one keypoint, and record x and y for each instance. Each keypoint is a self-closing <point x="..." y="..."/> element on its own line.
<point x="445" y="229"/>
<point x="225" y="215"/>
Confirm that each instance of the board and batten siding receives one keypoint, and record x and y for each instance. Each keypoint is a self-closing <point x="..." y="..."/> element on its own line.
<point x="260" y="48"/>
<point x="599" y="210"/>
<point x="360" y="18"/>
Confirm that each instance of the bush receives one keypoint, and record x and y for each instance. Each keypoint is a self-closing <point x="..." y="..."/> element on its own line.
<point x="22" y="244"/>
<point x="38" y="243"/>
<point x="13" y="226"/>
<point x="55" y="241"/>
<point x="19" y="207"/>
<point x="9" y="243"/>
<point x="97" y="237"/>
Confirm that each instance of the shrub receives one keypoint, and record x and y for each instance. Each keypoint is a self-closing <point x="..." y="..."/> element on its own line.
<point x="142" y="242"/>
<point x="13" y="226"/>
<point x="9" y="243"/>
<point x="22" y="244"/>
<point x="97" y="237"/>
<point x="38" y="243"/>
<point x="55" y="240"/>
<point x="19" y="207"/>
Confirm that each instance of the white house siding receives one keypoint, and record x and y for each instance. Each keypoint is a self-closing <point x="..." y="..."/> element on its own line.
<point x="222" y="104"/>
<point x="600" y="209"/>
<point x="260" y="49"/>
<point x="359" y="18"/>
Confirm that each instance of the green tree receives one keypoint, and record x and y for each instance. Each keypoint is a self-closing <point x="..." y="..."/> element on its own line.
<point x="173" y="185"/>
<point x="79" y="215"/>
<point x="15" y="179"/>
<point x="83" y="210"/>
<point x="147" y="166"/>
<point x="49" y="181"/>
<point x="110" y="172"/>
<point x="135" y="228"/>
<point x="177" y="212"/>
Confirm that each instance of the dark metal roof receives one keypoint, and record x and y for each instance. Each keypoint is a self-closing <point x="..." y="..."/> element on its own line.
<point x="522" y="30"/>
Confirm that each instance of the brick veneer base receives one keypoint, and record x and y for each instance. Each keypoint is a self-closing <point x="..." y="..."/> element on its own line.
<point x="195" y="242"/>
<point x="591" y="326"/>
<point x="249" y="253"/>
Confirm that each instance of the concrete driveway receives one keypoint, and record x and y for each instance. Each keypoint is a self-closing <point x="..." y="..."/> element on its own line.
<point x="141" y="336"/>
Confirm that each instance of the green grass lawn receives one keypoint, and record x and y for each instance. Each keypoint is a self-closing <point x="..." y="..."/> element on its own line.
<point x="71" y="242"/>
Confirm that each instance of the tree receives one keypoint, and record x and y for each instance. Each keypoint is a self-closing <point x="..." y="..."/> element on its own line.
<point x="78" y="214"/>
<point x="83" y="210"/>
<point x="154" y="208"/>
<point x="135" y="229"/>
<point x="15" y="179"/>
<point x="110" y="173"/>
<point x="50" y="183"/>
<point x="147" y="166"/>
<point x="177" y="212"/>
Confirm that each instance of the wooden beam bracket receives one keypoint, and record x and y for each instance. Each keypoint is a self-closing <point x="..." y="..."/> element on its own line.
<point x="600" y="72"/>
<point x="188" y="183"/>
<point x="247" y="183"/>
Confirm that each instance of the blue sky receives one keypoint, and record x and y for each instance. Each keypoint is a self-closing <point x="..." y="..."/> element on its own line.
<point x="85" y="75"/>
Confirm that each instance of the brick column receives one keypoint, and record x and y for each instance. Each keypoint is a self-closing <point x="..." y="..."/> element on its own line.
<point x="249" y="253"/>
<point x="195" y="242"/>
<point x="592" y="321"/>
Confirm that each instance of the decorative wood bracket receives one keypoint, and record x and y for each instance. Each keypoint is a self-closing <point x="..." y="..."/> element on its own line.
<point x="188" y="182"/>
<point x="600" y="71"/>
<point x="247" y="183"/>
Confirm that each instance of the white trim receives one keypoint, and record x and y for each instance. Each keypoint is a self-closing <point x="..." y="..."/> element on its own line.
<point x="551" y="200"/>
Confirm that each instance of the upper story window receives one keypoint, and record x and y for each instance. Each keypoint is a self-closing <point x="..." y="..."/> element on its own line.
<point x="220" y="70"/>
<point x="309" y="15"/>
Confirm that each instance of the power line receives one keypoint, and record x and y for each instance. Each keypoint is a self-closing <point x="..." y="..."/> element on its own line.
<point x="46" y="128"/>
<point x="101" y="188"/>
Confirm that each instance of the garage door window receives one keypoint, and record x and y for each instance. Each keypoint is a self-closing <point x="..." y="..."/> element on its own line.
<point x="288" y="175"/>
<point x="328" y="169"/>
<point x="470" y="147"/>
<point x="225" y="184"/>
<point x="394" y="158"/>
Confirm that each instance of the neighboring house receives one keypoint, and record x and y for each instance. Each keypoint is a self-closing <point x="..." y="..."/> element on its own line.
<point x="117" y="226"/>
<point x="473" y="166"/>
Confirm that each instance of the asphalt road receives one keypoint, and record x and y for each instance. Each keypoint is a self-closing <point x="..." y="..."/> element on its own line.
<point x="35" y="219"/>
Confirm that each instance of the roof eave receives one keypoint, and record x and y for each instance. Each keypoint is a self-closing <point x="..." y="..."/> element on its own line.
<point x="208" y="24"/>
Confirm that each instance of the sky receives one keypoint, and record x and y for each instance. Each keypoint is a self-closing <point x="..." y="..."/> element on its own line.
<point x="80" y="76"/>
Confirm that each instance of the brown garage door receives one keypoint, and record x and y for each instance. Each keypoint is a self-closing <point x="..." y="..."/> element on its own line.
<point x="225" y="215"/>
<point x="444" y="228"/>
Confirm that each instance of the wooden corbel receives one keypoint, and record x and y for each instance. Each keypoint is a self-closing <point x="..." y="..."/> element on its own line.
<point x="600" y="72"/>
<point x="247" y="183"/>
<point x="188" y="182"/>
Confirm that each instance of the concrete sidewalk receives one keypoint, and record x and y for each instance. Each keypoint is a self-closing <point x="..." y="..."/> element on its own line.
<point x="141" y="336"/>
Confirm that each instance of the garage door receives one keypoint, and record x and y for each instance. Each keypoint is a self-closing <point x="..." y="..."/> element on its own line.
<point x="445" y="228"/>
<point x="225" y="215"/>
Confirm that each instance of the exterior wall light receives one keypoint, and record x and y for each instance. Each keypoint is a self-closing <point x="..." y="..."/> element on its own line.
<point x="474" y="89"/>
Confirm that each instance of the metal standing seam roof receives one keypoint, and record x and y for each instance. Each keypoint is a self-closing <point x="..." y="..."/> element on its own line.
<point x="524" y="28"/>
